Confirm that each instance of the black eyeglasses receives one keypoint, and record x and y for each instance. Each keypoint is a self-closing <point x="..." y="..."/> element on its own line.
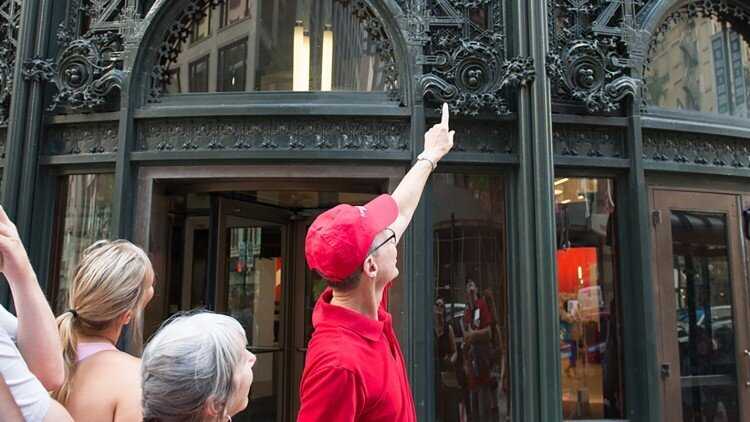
<point x="391" y="237"/>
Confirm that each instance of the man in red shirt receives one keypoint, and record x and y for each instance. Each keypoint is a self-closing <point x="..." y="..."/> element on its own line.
<point x="478" y="361"/>
<point x="354" y="368"/>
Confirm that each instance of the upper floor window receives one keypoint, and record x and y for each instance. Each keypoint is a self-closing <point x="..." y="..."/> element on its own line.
<point x="700" y="64"/>
<point x="233" y="11"/>
<point x="201" y="29"/>
<point x="281" y="46"/>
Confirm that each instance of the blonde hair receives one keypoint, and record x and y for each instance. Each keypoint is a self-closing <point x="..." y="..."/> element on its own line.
<point x="192" y="358"/>
<point x="109" y="280"/>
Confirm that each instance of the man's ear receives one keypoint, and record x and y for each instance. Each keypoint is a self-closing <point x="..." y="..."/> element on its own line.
<point x="369" y="267"/>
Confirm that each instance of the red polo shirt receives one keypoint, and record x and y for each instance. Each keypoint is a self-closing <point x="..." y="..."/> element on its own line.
<point x="354" y="369"/>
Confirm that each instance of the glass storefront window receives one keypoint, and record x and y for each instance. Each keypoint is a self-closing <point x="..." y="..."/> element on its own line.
<point x="86" y="218"/>
<point x="470" y="298"/>
<point x="588" y="301"/>
<point x="700" y="64"/>
<point x="290" y="46"/>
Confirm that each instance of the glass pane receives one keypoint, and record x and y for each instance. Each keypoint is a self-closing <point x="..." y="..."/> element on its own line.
<point x="199" y="75"/>
<point x="232" y="65"/>
<point x="234" y="11"/>
<point x="201" y="29"/>
<point x="308" y="46"/>
<point x="700" y="64"/>
<point x="704" y="319"/>
<point x="588" y="302"/>
<point x="87" y="218"/>
<point x="254" y="285"/>
<point x="470" y="321"/>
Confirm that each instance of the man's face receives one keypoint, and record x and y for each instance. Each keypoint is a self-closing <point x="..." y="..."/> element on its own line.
<point x="471" y="289"/>
<point x="386" y="255"/>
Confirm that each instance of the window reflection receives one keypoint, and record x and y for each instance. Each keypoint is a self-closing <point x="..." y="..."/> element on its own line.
<point x="588" y="299"/>
<point x="321" y="46"/>
<point x="199" y="75"/>
<point x="201" y="29"/>
<point x="470" y="298"/>
<point x="233" y="11"/>
<point x="700" y="64"/>
<point x="232" y="67"/>
<point x="86" y="218"/>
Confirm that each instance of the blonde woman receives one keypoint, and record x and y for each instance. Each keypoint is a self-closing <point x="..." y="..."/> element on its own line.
<point x="112" y="284"/>
<point x="196" y="368"/>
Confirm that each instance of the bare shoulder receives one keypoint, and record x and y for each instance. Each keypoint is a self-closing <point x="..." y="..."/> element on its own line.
<point x="101" y="383"/>
<point x="112" y="365"/>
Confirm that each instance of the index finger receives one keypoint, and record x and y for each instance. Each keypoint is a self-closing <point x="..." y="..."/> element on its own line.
<point x="446" y="115"/>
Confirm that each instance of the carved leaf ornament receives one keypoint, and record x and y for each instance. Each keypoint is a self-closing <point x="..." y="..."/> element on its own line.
<point x="10" y="18"/>
<point x="593" y="46"/>
<point x="464" y="54"/>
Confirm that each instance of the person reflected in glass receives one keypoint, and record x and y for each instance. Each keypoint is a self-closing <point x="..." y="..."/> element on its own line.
<point x="478" y="361"/>
<point x="447" y="356"/>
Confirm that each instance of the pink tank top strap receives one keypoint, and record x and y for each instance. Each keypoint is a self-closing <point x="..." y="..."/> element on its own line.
<point x="86" y="350"/>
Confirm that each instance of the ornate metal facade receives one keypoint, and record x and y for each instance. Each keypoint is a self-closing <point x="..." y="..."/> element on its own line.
<point x="594" y="44"/>
<point x="588" y="141"/>
<point x="465" y="54"/>
<point x="88" y="66"/>
<point x="97" y="138"/>
<point x="10" y="19"/>
<point x="264" y="134"/>
<point x="691" y="148"/>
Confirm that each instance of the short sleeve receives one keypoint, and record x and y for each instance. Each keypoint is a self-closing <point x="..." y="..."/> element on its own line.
<point x="8" y="323"/>
<point x="330" y="394"/>
<point x="26" y="389"/>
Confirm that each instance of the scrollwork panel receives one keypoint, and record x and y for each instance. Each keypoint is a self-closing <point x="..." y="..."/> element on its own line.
<point x="694" y="148"/>
<point x="588" y="141"/>
<point x="81" y="138"/>
<point x="264" y="134"/>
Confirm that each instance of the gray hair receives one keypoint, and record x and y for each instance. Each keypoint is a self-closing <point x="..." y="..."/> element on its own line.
<point x="191" y="359"/>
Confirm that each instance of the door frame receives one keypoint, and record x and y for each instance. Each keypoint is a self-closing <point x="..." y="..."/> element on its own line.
<point x="663" y="200"/>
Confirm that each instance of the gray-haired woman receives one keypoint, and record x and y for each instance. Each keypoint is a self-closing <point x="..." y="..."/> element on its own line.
<point x="196" y="368"/>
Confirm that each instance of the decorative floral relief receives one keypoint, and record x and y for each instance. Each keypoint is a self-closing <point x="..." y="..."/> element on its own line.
<point x="10" y="20"/>
<point x="487" y="137"/>
<point x="272" y="134"/>
<point x="693" y="148"/>
<point x="465" y="54"/>
<point x="588" y="141"/>
<point x="593" y="46"/>
<point x="81" y="138"/>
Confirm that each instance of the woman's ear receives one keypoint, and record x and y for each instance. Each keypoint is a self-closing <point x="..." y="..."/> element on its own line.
<point x="125" y="317"/>
<point x="212" y="408"/>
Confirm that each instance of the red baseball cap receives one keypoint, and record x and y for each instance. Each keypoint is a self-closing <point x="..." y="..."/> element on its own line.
<point x="338" y="240"/>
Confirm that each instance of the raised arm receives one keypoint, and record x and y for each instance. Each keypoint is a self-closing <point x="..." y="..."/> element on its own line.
<point x="437" y="142"/>
<point x="37" y="337"/>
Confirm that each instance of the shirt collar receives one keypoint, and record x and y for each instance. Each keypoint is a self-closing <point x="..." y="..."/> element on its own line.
<point x="326" y="314"/>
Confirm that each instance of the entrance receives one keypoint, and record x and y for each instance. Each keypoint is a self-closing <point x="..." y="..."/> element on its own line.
<point x="703" y="303"/>
<point x="237" y="247"/>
